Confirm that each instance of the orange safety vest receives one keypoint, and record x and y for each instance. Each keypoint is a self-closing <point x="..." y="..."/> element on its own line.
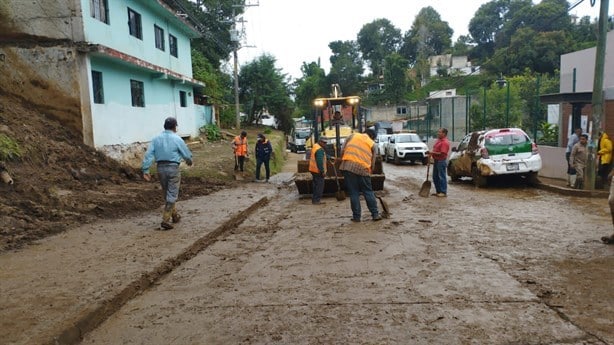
<point x="240" y="146"/>
<point x="313" y="165"/>
<point x="358" y="150"/>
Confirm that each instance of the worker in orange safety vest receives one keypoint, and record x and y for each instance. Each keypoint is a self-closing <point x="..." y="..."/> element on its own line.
<point x="239" y="146"/>
<point x="357" y="162"/>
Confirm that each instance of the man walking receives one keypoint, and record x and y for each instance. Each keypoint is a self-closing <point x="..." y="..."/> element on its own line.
<point x="440" y="158"/>
<point x="317" y="168"/>
<point x="239" y="146"/>
<point x="578" y="158"/>
<point x="167" y="149"/>
<point x="573" y="139"/>
<point x="357" y="162"/>
<point x="263" y="156"/>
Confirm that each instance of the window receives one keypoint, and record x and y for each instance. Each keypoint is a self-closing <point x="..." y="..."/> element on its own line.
<point x="134" y="24"/>
<point x="172" y="44"/>
<point x="99" y="10"/>
<point x="97" y="87"/>
<point x="401" y="110"/>
<point x="159" y="32"/>
<point x="138" y="94"/>
<point x="183" y="99"/>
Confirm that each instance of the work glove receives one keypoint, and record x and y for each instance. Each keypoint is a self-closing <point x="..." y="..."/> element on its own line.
<point x="188" y="162"/>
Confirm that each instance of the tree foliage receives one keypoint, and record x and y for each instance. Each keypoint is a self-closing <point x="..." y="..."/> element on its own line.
<point x="429" y="35"/>
<point x="376" y="41"/>
<point x="311" y="85"/>
<point x="346" y="66"/>
<point x="264" y="88"/>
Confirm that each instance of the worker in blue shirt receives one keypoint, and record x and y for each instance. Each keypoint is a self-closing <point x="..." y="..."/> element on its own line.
<point x="167" y="149"/>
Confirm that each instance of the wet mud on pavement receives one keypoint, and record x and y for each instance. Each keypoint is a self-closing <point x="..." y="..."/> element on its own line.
<point x="501" y="265"/>
<point x="492" y="266"/>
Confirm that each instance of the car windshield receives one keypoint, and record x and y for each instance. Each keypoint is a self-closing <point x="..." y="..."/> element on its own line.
<point x="409" y="138"/>
<point x="302" y="135"/>
<point x="505" y="139"/>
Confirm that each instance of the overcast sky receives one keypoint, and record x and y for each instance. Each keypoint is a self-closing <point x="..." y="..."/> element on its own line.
<point x="296" y="31"/>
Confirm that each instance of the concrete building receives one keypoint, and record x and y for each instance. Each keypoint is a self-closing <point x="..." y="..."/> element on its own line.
<point x="451" y="65"/>
<point x="576" y="91"/>
<point x="109" y="69"/>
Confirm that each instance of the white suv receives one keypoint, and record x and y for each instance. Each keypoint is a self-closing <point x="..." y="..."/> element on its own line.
<point x="405" y="147"/>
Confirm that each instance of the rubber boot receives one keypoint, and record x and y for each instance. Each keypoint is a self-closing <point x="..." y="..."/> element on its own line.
<point x="166" y="216"/>
<point x="572" y="181"/>
<point x="579" y="184"/>
<point x="175" y="217"/>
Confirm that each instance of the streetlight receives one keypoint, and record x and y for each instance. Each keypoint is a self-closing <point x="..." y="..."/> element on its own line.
<point x="502" y="82"/>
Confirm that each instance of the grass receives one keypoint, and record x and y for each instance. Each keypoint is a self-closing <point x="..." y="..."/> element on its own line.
<point x="9" y="148"/>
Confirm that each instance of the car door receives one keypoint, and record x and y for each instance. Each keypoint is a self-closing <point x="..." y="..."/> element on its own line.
<point x="465" y="154"/>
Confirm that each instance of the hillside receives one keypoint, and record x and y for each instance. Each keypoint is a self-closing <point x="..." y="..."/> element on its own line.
<point x="60" y="182"/>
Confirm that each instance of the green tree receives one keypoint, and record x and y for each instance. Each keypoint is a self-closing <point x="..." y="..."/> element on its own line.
<point x="264" y="88"/>
<point x="311" y="85"/>
<point x="376" y="41"/>
<point x="218" y="86"/>
<point x="487" y="25"/>
<point x="346" y="66"/>
<point x="428" y="36"/>
<point x="214" y="20"/>
<point x="462" y="46"/>
<point x="396" y="83"/>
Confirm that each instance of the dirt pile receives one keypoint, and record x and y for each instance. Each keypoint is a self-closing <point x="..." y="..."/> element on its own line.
<point x="60" y="182"/>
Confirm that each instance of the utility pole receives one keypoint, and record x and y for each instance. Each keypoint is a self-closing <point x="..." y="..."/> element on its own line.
<point x="235" y="37"/>
<point x="597" y="100"/>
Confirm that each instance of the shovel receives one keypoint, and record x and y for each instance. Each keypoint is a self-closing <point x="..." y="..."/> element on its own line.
<point x="339" y="194"/>
<point x="426" y="185"/>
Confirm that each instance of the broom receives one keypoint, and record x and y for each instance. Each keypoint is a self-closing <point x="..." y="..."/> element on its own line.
<point x="426" y="185"/>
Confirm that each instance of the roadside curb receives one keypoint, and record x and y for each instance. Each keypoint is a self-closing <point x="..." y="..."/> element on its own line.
<point x="602" y="194"/>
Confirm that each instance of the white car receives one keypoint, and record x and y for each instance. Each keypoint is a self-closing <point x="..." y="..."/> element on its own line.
<point x="485" y="154"/>
<point x="267" y="120"/>
<point x="405" y="147"/>
<point x="381" y="140"/>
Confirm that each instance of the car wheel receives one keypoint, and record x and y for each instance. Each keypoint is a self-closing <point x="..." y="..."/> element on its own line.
<point x="386" y="157"/>
<point x="532" y="179"/>
<point x="397" y="160"/>
<point x="478" y="179"/>
<point x="425" y="161"/>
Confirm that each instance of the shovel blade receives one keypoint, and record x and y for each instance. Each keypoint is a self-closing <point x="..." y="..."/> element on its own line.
<point x="426" y="189"/>
<point x="340" y="195"/>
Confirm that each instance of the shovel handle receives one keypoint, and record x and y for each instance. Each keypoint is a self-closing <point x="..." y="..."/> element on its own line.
<point x="428" y="165"/>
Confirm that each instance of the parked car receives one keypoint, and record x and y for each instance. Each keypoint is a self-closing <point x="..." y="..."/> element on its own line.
<point x="405" y="147"/>
<point x="381" y="141"/>
<point x="267" y="120"/>
<point x="484" y="154"/>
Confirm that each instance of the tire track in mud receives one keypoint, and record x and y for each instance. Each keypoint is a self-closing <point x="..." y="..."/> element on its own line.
<point x="91" y="320"/>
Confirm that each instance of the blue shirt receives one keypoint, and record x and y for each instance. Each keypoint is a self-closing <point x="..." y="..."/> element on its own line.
<point x="167" y="146"/>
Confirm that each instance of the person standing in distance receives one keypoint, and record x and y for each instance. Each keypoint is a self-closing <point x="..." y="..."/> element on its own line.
<point x="578" y="158"/>
<point x="357" y="162"/>
<point x="263" y="156"/>
<point x="571" y="172"/>
<point x="239" y="146"/>
<point x="167" y="149"/>
<point x="317" y="168"/>
<point x="604" y="152"/>
<point x="440" y="158"/>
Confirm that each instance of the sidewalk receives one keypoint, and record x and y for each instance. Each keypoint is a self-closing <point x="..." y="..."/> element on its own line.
<point x="560" y="186"/>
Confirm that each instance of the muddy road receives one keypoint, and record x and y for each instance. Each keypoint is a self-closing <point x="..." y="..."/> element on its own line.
<point x="508" y="264"/>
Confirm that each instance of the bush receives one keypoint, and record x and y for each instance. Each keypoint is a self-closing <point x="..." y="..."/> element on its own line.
<point x="212" y="132"/>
